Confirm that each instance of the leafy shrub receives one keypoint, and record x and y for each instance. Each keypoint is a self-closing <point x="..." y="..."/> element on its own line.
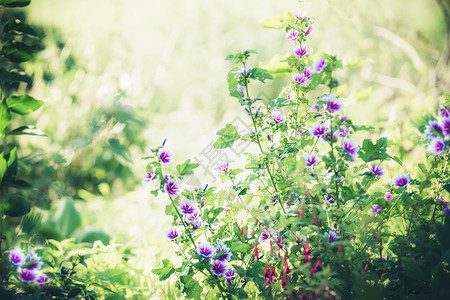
<point x="312" y="215"/>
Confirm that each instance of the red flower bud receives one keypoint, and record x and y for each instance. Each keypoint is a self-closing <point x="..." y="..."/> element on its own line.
<point x="255" y="250"/>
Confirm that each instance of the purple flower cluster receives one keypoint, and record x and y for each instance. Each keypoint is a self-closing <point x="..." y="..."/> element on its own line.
<point x="219" y="256"/>
<point x="438" y="133"/>
<point x="350" y="147"/>
<point x="28" y="267"/>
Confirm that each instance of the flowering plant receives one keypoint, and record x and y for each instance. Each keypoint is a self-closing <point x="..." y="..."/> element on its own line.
<point x="312" y="215"/>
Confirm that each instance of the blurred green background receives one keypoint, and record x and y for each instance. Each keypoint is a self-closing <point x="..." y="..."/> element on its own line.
<point x="120" y="76"/>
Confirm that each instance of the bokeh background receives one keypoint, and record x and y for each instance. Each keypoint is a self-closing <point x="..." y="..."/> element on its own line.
<point x="120" y="76"/>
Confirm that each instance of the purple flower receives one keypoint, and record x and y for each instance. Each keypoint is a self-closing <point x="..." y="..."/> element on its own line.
<point x="278" y="117"/>
<point x="166" y="156"/>
<point x="188" y="207"/>
<point x="172" y="233"/>
<point x="332" y="235"/>
<point x="224" y="166"/>
<point x="445" y="113"/>
<point x="388" y="196"/>
<point x="291" y="96"/>
<point x="317" y="129"/>
<point x="171" y="187"/>
<point x="300" y="15"/>
<point x="446" y="126"/>
<point x="225" y="255"/>
<point x="149" y="176"/>
<point x="27" y="276"/>
<point x="401" y="181"/>
<point x="313" y="108"/>
<point x="206" y="249"/>
<point x="192" y="217"/>
<point x="307" y="72"/>
<point x="230" y="274"/>
<point x="447" y="211"/>
<point x="258" y="108"/>
<point x="17" y="257"/>
<point x="301" y="50"/>
<point x="376" y="209"/>
<point x="218" y="268"/>
<point x="32" y="262"/>
<point x="376" y="169"/>
<point x="350" y="147"/>
<point x="310" y="159"/>
<point x="346" y="130"/>
<point x="299" y="78"/>
<point x="42" y="280"/>
<point x="338" y="134"/>
<point x="202" y="201"/>
<point x="433" y="128"/>
<point x="443" y="201"/>
<point x="308" y="31"/>
<point x="344" y="117"/>
<point x="437" y="146"/>
<point x="240" y="90"/>
<point x="264" y="236"/>
<point x="332" y="103"/>
<point x="197" y="223"/>
<point x="244" y="71"/>
<point x="292" y="34"/>
<point x="319" y="65"/>
<point x="330" y="199"/>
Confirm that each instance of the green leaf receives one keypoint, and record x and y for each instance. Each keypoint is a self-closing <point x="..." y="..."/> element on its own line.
<point x="272" y="22"/>
<point x="5" y="117"/>
<point x="16" y="26"/>
<point x="13" y="77"/>
<point x="3" y="167"/>
<point x="370" y="151"/>
<point x="24" y="104"/>
<point x="397" y="160"/>
<point x="240" y="247"/>
<point x="27" y="130"/>
<point x="278" y="66"/>
<point x="229" y="135"/>
<point x="186" y="168"/>
<point x="66" y="218"/>
<point x="17" y="51"/>
<point x="119" y="149"/>
<point x="12" y="157"/>
<point x="423" y="168"/>
<point x="279" y="102"/>
<point x="14" y="3"/>
<point x="233" y="84"/>
<point x="112" y="275"/>
<point x="16" y="206"/>
<point x="91" y="234"/>
<point x="260" y="74"/>
<point x="164" y="272"/>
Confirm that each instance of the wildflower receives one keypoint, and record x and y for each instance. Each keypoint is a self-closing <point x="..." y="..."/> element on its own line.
<point x="376" y="169"/>
<point x="42" y="280"/>
<point x="172" y="233"/>
<point x="345" y="130"/>
<point x="230" y="274"/>
<point x="202" y="201"/>
<point x="206" y="249"/>
<point x="222" y="253"/>
<point x="446" y="126"/>
<point x="319" y="65"/>
<point x="401" y="181"/>
<point x="258" y="108"/>
<point x="197" y="223"/>
<point x="313" y="108"/>
<point x="149" y="176"/>
<point x="193" y="216"/>
<point x="264" y="236"/>
<point x="307" y="72"/>
<point x="332" y="103"/>
<point x="330" y="199"/>
<point x="308" y="31"/>
<point x="244" y="72"/>
<point x="291" y="96"/>
<point x="219" y="268"/>
<point x="301" y="50"/>
<point x="344" y="118"/>
<point x="310" y="159"/>
<point x="388" y="196"/>
<point x="332" y="236"/>
<point x="171" y="187"/>
<point x="337" y="134"/>
<point x="350" y="147"/>
<point x="17" y="257"/>
<point x="317" y="129"/>
<point x="240" y="90"/>
<point x="443" y="201"/>
<point x="224" y="166"/>
<point x="447" y="211"/>
<point x="27" y="276"/>
<point x="166" y="156"/>
<point x="188" y="207"/>
<point x="292" y="35"/>
<point x="376" y="209"/>
<point x="445" y="113"/>
<point x="300" y="15"/>
<point x="278" y="117"/>
<point x="32" y="262"/>
<point x="437" y="146"/>
<point x="299" y="78"/>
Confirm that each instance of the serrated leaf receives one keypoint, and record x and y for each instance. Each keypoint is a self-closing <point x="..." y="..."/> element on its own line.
<point x="260" y="74"/>
<point x="186" y="168"/>
<point x="228" y="135"/>
<point x="23" y="105"/>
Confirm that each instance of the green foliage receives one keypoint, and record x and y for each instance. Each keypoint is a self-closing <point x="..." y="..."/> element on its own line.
<point x="228" y="135"/>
